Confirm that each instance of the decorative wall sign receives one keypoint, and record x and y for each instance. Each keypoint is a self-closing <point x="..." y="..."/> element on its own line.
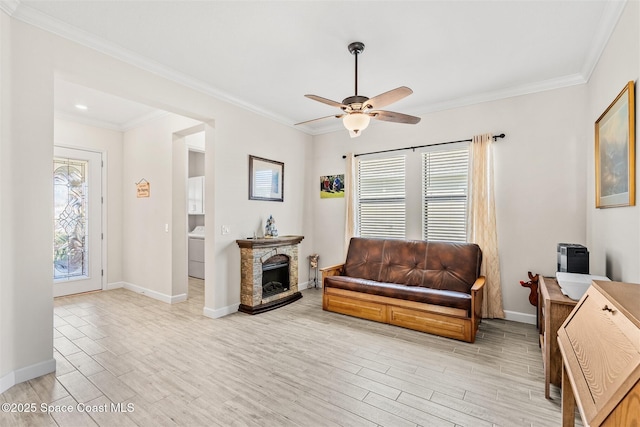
<point x="266" y="179"/>
<point x="615" y="152"/>
<point x="331" y="186"/>
<point x="143" y="188"/>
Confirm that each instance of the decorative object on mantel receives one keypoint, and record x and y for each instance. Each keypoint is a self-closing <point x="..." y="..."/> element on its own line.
<point x="532" y="284"/>
<point x="270" y="229"/>
<point x="615" y="157"/>
<point x="357" y="110"/>
<point x="332" y="186"/>
<point x="143" y="188"/>
<point x="266" y="179"/>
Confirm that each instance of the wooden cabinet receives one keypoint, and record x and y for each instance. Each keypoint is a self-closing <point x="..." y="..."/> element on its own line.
<point x="553" y="309"/>
<point x="600" y="347"/>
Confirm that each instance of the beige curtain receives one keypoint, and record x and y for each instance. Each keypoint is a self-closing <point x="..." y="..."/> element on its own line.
<point x="350" y="179"/>
<point x="482" y="222"/>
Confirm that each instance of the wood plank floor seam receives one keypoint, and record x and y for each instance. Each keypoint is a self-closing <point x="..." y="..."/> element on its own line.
<point x="294" y="366"/>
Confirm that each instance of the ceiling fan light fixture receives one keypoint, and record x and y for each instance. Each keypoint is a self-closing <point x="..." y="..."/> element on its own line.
<point x="356" y="123"/>
<point x="357" y="110"/>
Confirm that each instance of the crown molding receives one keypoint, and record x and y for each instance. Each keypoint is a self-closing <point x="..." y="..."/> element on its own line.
<point x="79" y="118"/>
<point x="610" y="17"/>
<point x="16" y="9"/>
<point x="9" y="6"/>
<point x="36" y="18"/>
<point x="496" y="95"/>
<point x="137" y="122"/>
<point x="103" y="124"/>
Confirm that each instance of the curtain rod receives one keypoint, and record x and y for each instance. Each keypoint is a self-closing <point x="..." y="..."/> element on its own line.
<point x="495" y="138"/>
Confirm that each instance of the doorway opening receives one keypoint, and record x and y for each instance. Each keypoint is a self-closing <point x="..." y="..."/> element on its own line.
<point x="196" y="213"/>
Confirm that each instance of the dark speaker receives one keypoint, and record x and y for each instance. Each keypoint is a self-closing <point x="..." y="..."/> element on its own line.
<point x="573" y="258"/>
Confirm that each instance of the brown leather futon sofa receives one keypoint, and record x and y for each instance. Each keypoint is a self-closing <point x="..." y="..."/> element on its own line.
<point x="433" y="287"/>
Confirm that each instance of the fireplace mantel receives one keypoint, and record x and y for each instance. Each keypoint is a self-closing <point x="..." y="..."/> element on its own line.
<point x="255" y="252"/>
<point x="269" y="242"/>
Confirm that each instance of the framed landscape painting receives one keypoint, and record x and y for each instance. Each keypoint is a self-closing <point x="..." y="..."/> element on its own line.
<point x="615" y="152"/>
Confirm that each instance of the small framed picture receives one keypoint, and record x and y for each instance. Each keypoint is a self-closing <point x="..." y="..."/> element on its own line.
<point x="266" y="179"/>
<point x="615" y="152"/>
<point x="331" y="186"/>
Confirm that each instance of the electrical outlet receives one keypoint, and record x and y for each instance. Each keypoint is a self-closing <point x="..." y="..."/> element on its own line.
<point x="225" y="229"/>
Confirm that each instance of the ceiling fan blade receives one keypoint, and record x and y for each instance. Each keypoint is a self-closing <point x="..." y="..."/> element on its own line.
<point x="326" y="101"/>
<point x="337" y="116"/>
<point x="390" y="116"/>
<point x="389" y="97"/>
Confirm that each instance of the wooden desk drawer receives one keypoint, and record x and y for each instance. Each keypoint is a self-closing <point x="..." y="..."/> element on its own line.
<point x="604" y="345"/>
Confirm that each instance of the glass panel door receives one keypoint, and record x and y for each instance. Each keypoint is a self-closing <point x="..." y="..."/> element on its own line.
<point x="70" y="254"/>
<point x="77" y="221"/>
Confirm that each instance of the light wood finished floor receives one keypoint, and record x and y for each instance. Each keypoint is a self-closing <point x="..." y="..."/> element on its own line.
<point x="294" y="366"/>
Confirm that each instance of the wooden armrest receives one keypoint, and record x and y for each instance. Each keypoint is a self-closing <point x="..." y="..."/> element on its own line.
<point x="476" y="301"/>
<point x="333" y="270"/>
<point x="478" y="284"/>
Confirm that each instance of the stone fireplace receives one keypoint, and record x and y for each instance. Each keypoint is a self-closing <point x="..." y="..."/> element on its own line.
<point x="269" y="273"/>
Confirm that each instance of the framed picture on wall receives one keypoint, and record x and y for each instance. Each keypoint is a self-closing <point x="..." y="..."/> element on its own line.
<point x="332" y="186"/>
<point x="615" y="157"/>
<point x="266" y="179"/>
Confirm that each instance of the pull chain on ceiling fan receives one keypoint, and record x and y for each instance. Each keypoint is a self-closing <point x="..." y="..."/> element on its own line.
<point x="358" y="110"/>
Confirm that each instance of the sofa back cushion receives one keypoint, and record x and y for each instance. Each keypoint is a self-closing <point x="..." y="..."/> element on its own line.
<point x="437" y="265"/>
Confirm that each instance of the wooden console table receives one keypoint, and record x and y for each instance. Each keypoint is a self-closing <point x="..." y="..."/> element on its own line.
<point x="553" y="309"/>
<point x="600" y="346"/>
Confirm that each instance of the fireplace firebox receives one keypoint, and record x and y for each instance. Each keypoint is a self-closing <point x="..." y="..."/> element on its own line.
<point x="275" y="275"/>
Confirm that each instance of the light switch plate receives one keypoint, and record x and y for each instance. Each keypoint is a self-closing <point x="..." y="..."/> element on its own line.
<point x="225" y="229"/>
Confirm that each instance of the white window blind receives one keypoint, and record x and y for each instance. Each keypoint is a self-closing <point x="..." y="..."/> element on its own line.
<point x="444" y="195"/>
<point x="381" y="198"/>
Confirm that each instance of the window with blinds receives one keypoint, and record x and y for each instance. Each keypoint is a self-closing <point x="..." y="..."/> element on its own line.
<point x="444" y="195"/>
<point x="381" y="198"/>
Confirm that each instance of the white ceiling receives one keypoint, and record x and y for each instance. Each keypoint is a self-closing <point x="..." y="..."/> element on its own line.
<point x="265" y="55"/>
<point x="103" y="110"/>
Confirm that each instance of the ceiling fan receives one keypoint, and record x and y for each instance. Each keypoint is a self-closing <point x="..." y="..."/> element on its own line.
<point x="357" y="110"/>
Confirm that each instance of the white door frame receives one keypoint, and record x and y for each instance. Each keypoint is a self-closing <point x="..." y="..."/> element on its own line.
<point x="101" y="271"/>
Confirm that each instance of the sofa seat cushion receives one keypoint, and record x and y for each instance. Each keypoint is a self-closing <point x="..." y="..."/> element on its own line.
<point x="421" y="294"/>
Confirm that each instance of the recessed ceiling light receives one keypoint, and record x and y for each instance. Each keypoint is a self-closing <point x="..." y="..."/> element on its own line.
<point x="81" y="107"/>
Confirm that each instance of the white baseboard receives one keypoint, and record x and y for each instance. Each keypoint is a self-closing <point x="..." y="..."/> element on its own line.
<point x="114" y="285"/>
<point x="220" y="312"/>
<point x="308" y="285"/>
<point x="27" y="373"/>
<point x="516" y="316"/>
<point x="169" y="299"/>
<point x="7" y="381"/>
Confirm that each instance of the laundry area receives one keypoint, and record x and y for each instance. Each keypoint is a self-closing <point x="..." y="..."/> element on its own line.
<point x="195" y="205"/>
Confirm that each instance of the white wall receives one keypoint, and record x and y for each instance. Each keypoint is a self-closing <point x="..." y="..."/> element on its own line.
<point x="27" y="197"/>
<point x="7" y="377"/>
<point x="30" y="60"/>
<point x="613" y="235"/>
<point x="109" y="142"/>
<point x="539" y="178"/>
<point x="232" y="206"/>
<point x="147" y="244"/>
